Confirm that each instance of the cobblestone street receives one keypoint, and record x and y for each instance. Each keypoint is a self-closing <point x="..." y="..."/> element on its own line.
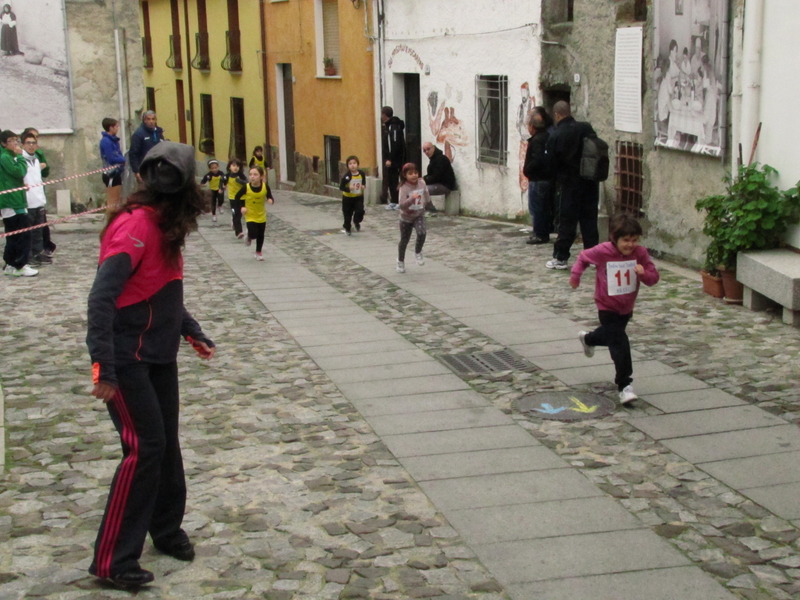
<point x="309" y="479"/>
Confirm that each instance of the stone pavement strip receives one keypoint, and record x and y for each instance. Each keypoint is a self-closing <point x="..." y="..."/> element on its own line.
<point x="310" y="439"/>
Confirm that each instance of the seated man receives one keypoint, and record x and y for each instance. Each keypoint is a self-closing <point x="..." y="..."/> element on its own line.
<point x="440" y="177"/>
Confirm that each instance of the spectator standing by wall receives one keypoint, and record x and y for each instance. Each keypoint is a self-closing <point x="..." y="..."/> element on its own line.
<point x="535" y="169"/>
<point x="143" y="139"/>
<point x="394" y="153"/>
<point x="14" y="207"/>
<point x="112" y="157"/>
<point x="35" y="199"/>
<point x="49" y="246"/>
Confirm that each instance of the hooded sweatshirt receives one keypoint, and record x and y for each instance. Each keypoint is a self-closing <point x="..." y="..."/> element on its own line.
<point x="413" y="198"/>
<point x="616" y="282"/>
<point x="13" y="169"/>
<point x="34" y="195"/>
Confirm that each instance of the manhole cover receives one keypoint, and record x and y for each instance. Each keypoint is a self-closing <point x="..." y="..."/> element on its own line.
<point x="565" y="406"/>
<point x="324" y="231"/>
<point x="485" y="362"/>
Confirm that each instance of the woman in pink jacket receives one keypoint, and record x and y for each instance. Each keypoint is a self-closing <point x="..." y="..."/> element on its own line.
<point x="621" y="264"/>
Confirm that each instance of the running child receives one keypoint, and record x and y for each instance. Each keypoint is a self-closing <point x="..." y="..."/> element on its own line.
<point x="258" y="160"/>
<point x="621" y="264"/>
<point x="413" y="198"/>
<point x="352" y="186"/>
<point x="253" y="195"/>
<point x="235" y="179"/>
<point x="216" y="182"/>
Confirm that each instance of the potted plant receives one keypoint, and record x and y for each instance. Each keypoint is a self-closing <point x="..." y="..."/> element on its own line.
<point x="329" y="67"/>
<point x="751" y="214"/>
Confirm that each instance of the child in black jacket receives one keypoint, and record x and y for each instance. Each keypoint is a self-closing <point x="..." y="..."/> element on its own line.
<point x="352" y="186"/>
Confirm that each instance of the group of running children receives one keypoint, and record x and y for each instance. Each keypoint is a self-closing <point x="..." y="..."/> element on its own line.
<point x="621" y="263"/>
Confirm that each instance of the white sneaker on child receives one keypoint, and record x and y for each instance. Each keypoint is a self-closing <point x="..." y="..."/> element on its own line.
<point x="259" y="256"/>
<point x="627" y="395"/>
<point x="420" y="259"/>
<point x="401" y="266"/>
<point x="587" y="349"/>
<point x="247" y="241"/>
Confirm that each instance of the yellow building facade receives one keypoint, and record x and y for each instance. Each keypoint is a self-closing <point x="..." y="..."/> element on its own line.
<point x="229" y="75"/>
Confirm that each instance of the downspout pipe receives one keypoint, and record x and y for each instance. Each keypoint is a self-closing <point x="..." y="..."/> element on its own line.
<point x="189" y="69"/>
<point x="736" y="91"/>
<point x="265" y="82"/>
<point x="123" y="137"/>
<point x="751" y="72"/>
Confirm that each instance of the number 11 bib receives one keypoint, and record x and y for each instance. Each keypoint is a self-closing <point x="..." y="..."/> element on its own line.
<point x="621" y="277"/>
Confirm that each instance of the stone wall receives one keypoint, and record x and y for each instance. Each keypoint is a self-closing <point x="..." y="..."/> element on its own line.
<point x="90" y="27"/>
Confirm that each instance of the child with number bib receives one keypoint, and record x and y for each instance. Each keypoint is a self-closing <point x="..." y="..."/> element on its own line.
<point x="621" y="264"/>
<point x="255" y="195"/>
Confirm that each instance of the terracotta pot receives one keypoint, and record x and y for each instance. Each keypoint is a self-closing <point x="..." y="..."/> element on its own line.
<point x="330" y="71"/>
<point x="712" y="285"/>
<point x="734" y="291"/>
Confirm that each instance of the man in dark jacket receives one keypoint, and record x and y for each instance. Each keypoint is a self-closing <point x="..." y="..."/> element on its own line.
<point x="394" y="154"/>
<point x="440" y="177"/>
<point x="576" y="197"/>
<point x="535" y="169"/>
<point x="145" y="137"/>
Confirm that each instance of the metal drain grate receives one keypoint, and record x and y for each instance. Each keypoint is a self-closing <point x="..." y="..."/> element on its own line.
<point x="486" y="362"/>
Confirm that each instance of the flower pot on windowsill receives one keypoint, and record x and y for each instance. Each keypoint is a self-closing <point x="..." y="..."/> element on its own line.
<point x="734" y="291"/>
<point x="712" y="285"/>
<point x="330" y="71"/>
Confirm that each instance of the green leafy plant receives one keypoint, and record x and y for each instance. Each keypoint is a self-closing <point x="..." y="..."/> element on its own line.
<point x="752" y="214"/>
<point x="327" y="62"/>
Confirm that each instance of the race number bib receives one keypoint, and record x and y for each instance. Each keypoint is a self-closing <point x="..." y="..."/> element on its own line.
<point x="621" y="277"/>
<point x="355" y="186"/>
<point x="416" y="201"/>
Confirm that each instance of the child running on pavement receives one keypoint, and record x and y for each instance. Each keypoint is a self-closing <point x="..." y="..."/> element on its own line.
<point x="352" y="186"/>
<point x="254" y="195"/>
<point x="621" y="264"/>
<point x="413" y="198"/>
<point x="216" y="182"/>
<point x="257" y="160"/>
<point x="235" y="179"/>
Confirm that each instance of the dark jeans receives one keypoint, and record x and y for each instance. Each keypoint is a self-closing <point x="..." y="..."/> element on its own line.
<point x="417" y="225"/>
<point x="236" y="211"/>
<point x="540" y="205"/>
<point x="576" y="204"/>
<point x="353" y="210"/>
<point x="611" y="333"/>
<point x="148" y="492"/>
<point x="255" y="231"/>
<point x="18" y="246"/>
<point x="391" y="179"/>
<point x="37" y="217"/>
<point x="216" y="200"/>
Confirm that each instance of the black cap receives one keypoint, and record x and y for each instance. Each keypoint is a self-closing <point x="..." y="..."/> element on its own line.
<point x="168" y="167"/>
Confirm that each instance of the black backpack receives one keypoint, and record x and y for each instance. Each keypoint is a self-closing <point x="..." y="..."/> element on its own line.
<point x="594" y="158"/>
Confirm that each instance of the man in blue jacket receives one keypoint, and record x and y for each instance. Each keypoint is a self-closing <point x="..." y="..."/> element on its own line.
<point x="148" y="135"/>
<point x="112" y="157"/>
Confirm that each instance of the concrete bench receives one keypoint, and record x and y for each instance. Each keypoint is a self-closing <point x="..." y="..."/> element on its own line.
<point x="449" y="203"/>
<point x="771" y="275"/>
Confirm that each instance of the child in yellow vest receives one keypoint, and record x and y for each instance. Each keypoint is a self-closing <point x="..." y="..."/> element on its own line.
<point x="235" y="179"/>
<point x="255" y="195"/>
<point x="216" y="182"/>
<point x="258" y="160"/>
<point x="352" y="186"/>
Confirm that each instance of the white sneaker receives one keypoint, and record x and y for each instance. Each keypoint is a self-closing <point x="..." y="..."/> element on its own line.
<point x="247" y="241"/>
<point x="259" y="256"/>
<point x="389" y="206"/>
<point x="587" y="349"/>
<point x="214" y="218"/>
<point x="401" y="266"/>
<point x="627" y="395"/>
<point x="420" y="259"/>
<point x="9" y="270"/>
<point x="25" y="271"/>
<point x="556" y="264"/>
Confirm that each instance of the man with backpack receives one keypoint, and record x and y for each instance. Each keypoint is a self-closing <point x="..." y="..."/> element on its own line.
<point x="576" y="168"/>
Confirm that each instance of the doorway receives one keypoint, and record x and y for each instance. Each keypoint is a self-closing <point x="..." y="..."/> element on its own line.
<point x="413" y="119"/>
<point x="286" y="121"/>
<point x="553" y="95"/>
<point x="181" y="111"/>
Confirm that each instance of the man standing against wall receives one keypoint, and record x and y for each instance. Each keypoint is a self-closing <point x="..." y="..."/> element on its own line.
<point x="576" y="198"/>
<point x="394" y="153"/>
<point x="145" y="137"/>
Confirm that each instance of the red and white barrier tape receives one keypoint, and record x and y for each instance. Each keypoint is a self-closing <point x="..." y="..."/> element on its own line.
<point x="56" y="222"/>
<point x="27" y="187"/>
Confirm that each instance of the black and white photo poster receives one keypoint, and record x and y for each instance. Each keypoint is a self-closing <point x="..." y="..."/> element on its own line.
<point x="689" y="75"/>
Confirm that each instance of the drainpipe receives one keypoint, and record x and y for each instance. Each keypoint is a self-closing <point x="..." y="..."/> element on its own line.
<point x="751" y="73"/>
<point x="736" y="91"/>
<point x="265" y="82"/>
<point x="118" y="52"/>
<point x="189" y="68"/>
<point x="381" y="24"/>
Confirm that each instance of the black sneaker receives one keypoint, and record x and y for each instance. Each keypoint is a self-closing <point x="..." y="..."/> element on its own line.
<point x="358" y="226"/>
<point x="536" y="240"/>
<point x="179" y="547"/>
<point x="44" y="259"/>
<point x="132" y="578"/>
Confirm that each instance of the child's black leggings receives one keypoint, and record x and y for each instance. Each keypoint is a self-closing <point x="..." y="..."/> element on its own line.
<point x="236" y="212"/>
<point x="611" y="333"/>
<point x="352" y="209"/>
<point x="216" y="200"/>
<point x="255" y="231"/>
<point x="405" y="235"/>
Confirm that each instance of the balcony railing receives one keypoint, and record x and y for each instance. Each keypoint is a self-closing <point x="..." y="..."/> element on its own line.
<point x="147" y="52"/>
<point x="174" y="61"/>
<point x="233" y="57"/>
<point x="201" y="60"/>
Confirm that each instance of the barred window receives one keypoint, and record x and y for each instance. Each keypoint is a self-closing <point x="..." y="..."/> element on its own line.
<point x="491" y="107"/>
<point x="333" y="155"/>
<point x="629" y="178"/>
<point x="206" y="144"/>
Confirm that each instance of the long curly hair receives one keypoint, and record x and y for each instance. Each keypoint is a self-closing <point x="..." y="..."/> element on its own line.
<point x="177" y="216"/>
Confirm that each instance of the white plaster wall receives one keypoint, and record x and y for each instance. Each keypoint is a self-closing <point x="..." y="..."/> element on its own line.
<point x="456" y="46"/>
<point x="780" y="92"/>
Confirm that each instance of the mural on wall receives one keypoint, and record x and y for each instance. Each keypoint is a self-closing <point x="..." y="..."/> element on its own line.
<point x="34" y="74"/>
<point x="525" y="106"/>
<point x="445" y="127"/>
<point x="689" y="75"/>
